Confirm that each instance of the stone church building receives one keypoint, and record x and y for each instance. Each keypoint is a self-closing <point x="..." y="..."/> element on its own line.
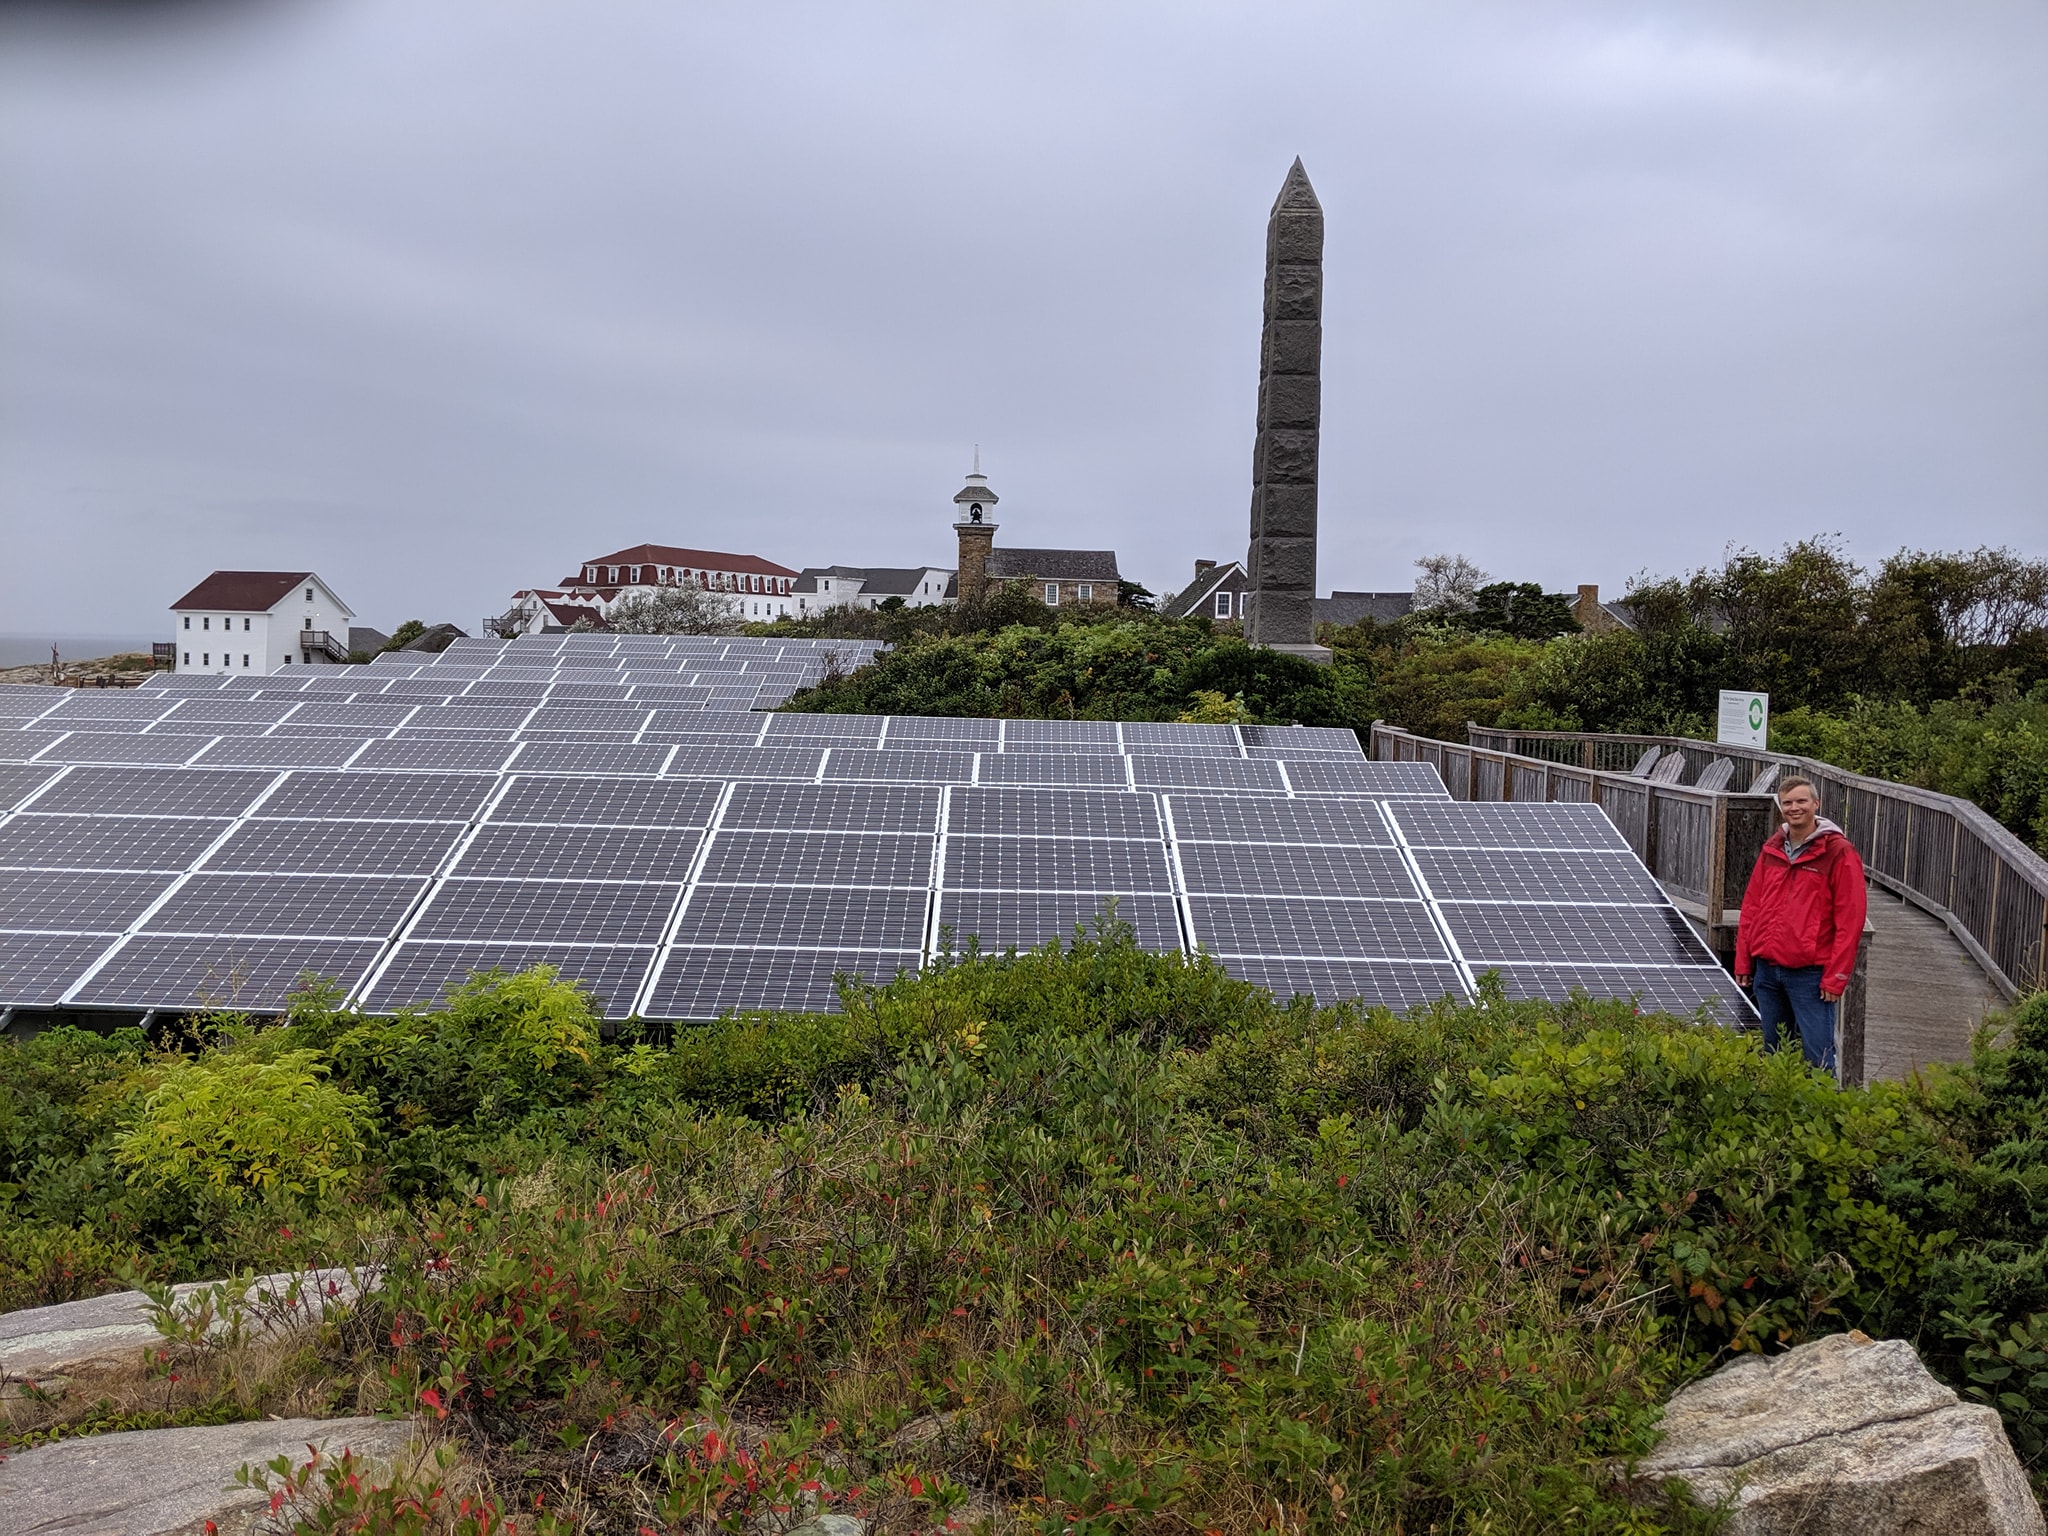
<point x="1059" y="577"/>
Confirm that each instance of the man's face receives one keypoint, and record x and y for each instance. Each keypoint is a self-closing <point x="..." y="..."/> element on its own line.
<point x="1800" y="807"/>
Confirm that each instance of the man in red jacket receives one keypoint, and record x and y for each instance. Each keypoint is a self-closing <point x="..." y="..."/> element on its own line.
<point x="1802" y="919"/>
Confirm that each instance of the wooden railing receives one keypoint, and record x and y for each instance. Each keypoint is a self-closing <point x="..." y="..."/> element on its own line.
<point x="1941" y="853"/>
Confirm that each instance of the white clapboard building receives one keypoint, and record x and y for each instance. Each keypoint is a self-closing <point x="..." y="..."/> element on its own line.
<point x="260" y="622"/>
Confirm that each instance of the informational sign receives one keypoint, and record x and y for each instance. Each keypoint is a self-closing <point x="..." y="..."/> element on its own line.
<point x="1745" y="719"/>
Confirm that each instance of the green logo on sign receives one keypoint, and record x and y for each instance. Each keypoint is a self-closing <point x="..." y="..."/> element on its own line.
<point x="1756" y="714"/>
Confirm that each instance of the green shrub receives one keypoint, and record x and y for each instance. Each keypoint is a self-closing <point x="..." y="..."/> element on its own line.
<point x="231" y="1125"/>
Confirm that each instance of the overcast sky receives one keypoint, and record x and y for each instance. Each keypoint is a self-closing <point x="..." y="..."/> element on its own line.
<point x="441" y="297"/>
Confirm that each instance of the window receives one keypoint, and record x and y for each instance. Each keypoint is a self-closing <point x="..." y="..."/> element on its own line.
<point x="309" y="621"/>
<point x="206" y="658"/>
<point x="1052" y="593"/>
<point x="1083" y="592"/>
<point x="188" y="654"/>
<point x="245" y="658"/>
<point x="245" y="626"/>
<point x="206" y="623"/>
<point x="188" y="625"/>
<point x="309" y="594"/>
<point x="1222" y="605"/>
<point x="287" y="661"/>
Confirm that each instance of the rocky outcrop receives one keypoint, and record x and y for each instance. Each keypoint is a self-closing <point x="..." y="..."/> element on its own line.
<point x="1846" y="1436"/>
<point x="171" y="1482"/>
<point x="108" y="1330"/>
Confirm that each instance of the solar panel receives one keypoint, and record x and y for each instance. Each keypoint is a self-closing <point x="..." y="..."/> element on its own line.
<point x="1051" y="735"/>
<point x="1224" y="773"/>
<point x="705" y="983"/>
<point x="221" y="708"/>
<point x="927" y="766"/>
<point x="18" y="783"/>
<point x="786" y="858"/>
<point x="1353" y="823"/>
<point x="355" y="796"/>
<point x="37" y="969"/>
<point x="999" y="810"/>
<point x="1553" y="825"/>
<point x="435" y="756"/>
<point x="1055" y="864"/>
<point x="327" y="906"/>
<point x="147" y="792"/>
<point x="1285" y="869"/>
<point x="903" y="729"/>
<point x="103" y="903"/>
<point x="261" y="846"/>
<point x="836" y="918"/>
<point x="468" y="717"/>
<point x="123" y="747"/>
<point x="1377" y="984"/>
<point x="1536" y="874"/>
<point x="580" y="853"/>
<point x="1303" y="738"/>
<point x="319" y="712"/>
<point x="591" y="757"/>
<point x="37" y="841"/>
<point x="555" y="911"/>
<point x="1355" y="776"/>
<point x="723" y="762"/>
<point x="1003" y="920"/>
<point x="423" y="974"/>
<point x="1144" y="736"/>
<point x="1493" y="934"/>
<point x="1676" y="989"/>
<point x="614" y="802"/>
<point x="167" y="971"/>
<point x="279" y="752"/>
<point x="833" y="808"/>
<point x="1356" y="930"/>
<point x="19" y="746"/>
<point x="1053" y="768"/>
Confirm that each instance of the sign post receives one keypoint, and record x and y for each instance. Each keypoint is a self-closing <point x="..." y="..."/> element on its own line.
<point x="1745" y="720"/>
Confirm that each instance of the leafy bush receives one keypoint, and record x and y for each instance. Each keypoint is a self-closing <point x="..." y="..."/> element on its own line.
<point x="231" y="1125"/>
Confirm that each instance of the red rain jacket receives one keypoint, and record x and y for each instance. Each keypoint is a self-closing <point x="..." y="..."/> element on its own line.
<point x="1804" y="911"/>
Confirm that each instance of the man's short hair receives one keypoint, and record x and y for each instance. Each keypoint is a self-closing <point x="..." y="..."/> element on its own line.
<point x="1795" y="782"/>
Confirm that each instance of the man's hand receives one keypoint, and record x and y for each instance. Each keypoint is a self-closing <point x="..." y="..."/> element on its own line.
<point x="1743" y="980"/>
<point x="1829" y="997"/>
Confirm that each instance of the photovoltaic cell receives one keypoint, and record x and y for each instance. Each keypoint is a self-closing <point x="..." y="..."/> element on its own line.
<point x="905" y="729"/>
<point x="1303" y="738"/>
<point x="168" y="971"/>
<point x="579" y="853"/>
<point x="423" y="974"/>
<point x="781" y="858"/>
<point x="1053" y="768"/>
<point x="591" y="757"/>
<point x="113" y="747"/>
<point x="330" y="906"/>
<point x="705" y="983"/>
<point x="553" y="911"/>
<point x="1489" y="935"/>
<point x="1004" y="811"/>
<point x="616" y="802"/>
<point x="899" y="767"/>
<point x="1356" y="776"/>
<point x="1357" y="930"/>
<point x="261" y="846"/>
<point x="727" y="762"/>
<point x="1055" y="864"/>
<point x="833" y="808"/>
<point x="1286" y="869"/>
<point x="36" y="970"/>
<point x="1053" y="735"/>
<point x="32" y="840"/>
<point x="1457" y="825"/>
<point x="1667" y="989"/>
<point x="433" y="756"/>
<point x="1355" y="823"/>
<point x="148" y="792"/>
<point x="1026" y="919"/>
<point x="1142" y="736"/>
<point x="1224" y="773"/>
<point x="357" y="796"/>
<point x="1536" y="874"/>
<point x="18" y="783"/>
<point x="279" y="752"/>
<point x="103" y="903"/>
<point x="1377" y="984"/>
<point x="838" y="918"/>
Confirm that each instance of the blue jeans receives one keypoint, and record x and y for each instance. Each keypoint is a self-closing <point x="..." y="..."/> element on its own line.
<point x="1791" y="995"/>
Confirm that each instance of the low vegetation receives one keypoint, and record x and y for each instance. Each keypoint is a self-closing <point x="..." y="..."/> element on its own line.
<point x="1087" y="1240"/>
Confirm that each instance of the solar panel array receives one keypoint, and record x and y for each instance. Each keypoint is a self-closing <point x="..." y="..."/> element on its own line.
<point x="709" y="859"/>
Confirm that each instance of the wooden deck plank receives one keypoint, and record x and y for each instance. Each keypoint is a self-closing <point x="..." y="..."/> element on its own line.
<point x="1926" y="995"/>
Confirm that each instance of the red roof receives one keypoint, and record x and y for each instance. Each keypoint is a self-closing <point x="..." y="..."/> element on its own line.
<point x="242" y="591"/>
<point x="687" y="559"/>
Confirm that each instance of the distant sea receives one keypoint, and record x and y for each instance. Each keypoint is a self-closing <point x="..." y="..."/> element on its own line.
<point x="21" y="650"/>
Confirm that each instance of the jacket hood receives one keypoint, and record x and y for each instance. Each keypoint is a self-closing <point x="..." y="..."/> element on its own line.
<point x="1821" y="826"/>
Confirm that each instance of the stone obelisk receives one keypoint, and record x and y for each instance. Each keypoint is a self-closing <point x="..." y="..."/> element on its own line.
<point x="1280" y="610"/>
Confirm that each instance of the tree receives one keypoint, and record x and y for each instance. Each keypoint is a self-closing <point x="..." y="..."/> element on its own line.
<point x="1130" y="595"/>
<point x="1448" y="583"/>
<point x="683" y="609"/>
<point x="1521" y="609"/>
<point x="405" y="634"/>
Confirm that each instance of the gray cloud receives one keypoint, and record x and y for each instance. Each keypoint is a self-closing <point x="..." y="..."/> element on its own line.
<point x="439" y="299"/>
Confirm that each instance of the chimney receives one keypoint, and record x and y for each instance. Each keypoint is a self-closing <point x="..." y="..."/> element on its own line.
<point x="1203" y="568"/>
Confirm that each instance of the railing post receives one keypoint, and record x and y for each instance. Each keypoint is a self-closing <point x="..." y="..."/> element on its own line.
<point x="1851" y="1070"/>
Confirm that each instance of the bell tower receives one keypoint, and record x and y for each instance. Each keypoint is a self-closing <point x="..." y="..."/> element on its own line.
<point x="974" y="522"/>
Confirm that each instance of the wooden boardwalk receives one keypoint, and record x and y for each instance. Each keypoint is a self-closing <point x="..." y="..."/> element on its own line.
<point x="1926" y="995"/>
